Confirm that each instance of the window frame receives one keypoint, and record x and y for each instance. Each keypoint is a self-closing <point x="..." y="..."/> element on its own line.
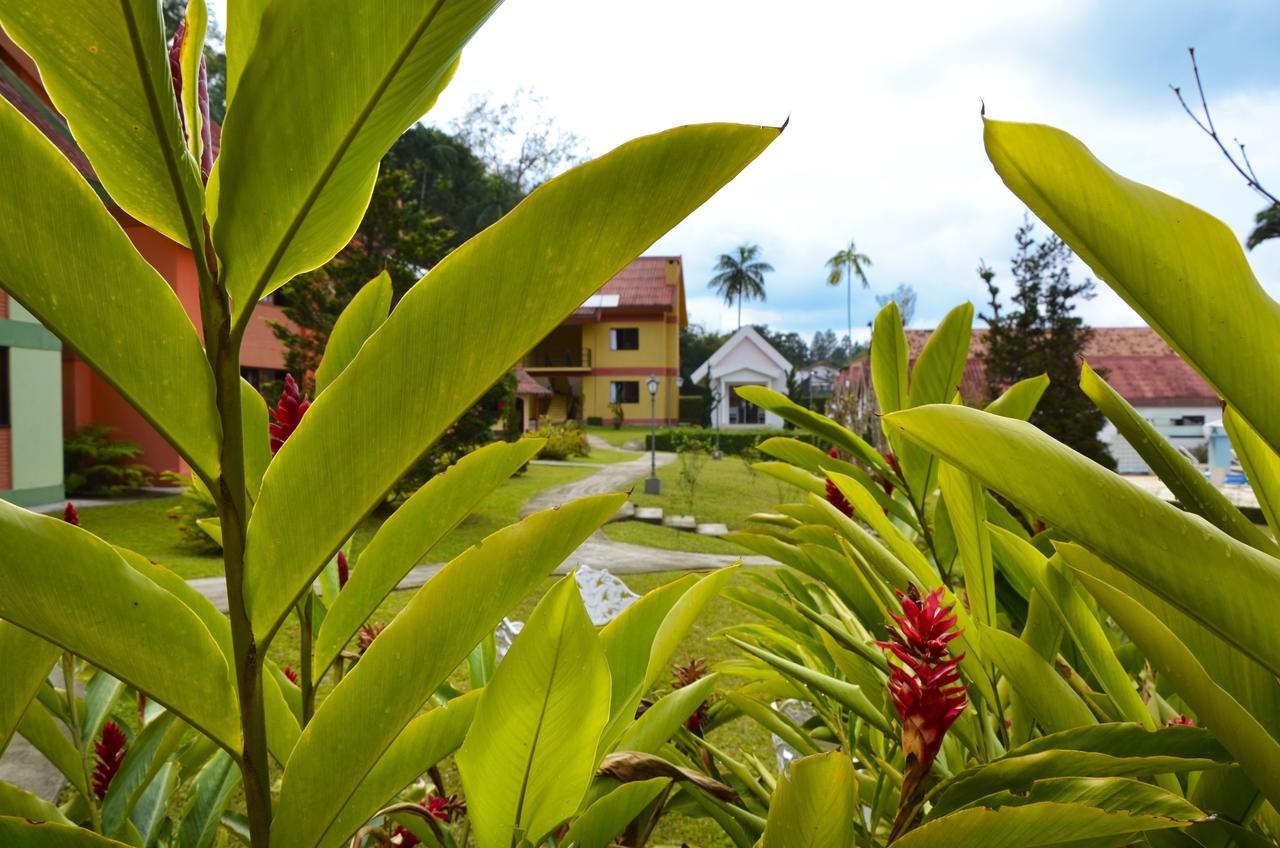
<point x="6" y="413"/>
<point x="615" y="337"/>
<point x="614" y="385"/>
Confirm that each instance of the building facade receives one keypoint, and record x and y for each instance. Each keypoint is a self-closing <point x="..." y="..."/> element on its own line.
<point x="83" y="397"/>
<point x="604" y="353"/>
<point x="745" y="359"/>
<point x="30" y="409"/>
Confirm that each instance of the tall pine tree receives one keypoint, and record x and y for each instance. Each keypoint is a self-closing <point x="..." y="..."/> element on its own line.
<point x="1039" y="333"/>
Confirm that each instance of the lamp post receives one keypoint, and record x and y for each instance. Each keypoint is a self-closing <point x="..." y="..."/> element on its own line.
<point x="653" y="486"/>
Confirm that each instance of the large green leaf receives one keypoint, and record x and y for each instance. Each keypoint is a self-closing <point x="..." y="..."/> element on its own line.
<point x="1184" y="480"/>
<point x="1257" y="751"/>
<point x="411" y="531"/>
<point x="650" y="731"/>
<point x="1106" y="750"/>
<point x="1180" y="557"/>
<point x="147" y="752"/>
<point x="1181" y="269"/>
<point x="889" y="360"/>
<point x="74" y="590"/>
<point x="437" y="352"/>
<point x="815" y="804"/>
<point x="1261" y="464"/>
<point x="301" y="145"/>
<point x="605" y="819"/>
<point x="935" y="378"/>
<point x="21" y="833"/>
<point x="441" y="624"/>
<point x="27" y="660"/>
<point x="819" y="425"/>
<point x="46" y="735"/>
<point x="19" y="803"/>
<point x="531" y="751"/>
<point x="1020" y="399"/>
<point x="815" y="461"/>
<point x="361" y="317"/>
<point x="1051" y="701"/>
<point x="106" y="69"/>
<point x="966" y="504"/>
<point x="96" y="296"/>
<point x="207" y="798"/>
<point x="427" y="740"/>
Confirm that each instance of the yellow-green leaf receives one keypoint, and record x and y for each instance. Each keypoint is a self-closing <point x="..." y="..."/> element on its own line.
<point x="605" y="819"/>
<point x="96" y="297"/>
<point x="437" y="352"/>
<point x="531" y="751"/>
<point x="1261" y="464"/>
<point x="935" y="379"/>
<point x="815" y="804"/>
<point x="1020" y="399"/>
<point x="362" y="316"/>
<point x="21" y="833"/>
<point x="27" y="660"/>
<point x="1050" y="700"/>
<point x="820" y="425"/>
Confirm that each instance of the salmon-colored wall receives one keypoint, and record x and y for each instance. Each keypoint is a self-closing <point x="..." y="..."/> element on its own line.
<point x="261" y="348"/>
<point x="6" y="460"/>
<point x="4" y="305"/>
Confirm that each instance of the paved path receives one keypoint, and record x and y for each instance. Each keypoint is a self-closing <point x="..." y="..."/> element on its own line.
<point x="23" y="766"/>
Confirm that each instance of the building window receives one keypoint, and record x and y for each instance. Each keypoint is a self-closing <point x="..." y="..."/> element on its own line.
<point x="258" y="377"/>
<point x="624" y="338"/>
<point x="624" y="391"/>
<point x="4" y="387"/>
<point x="742" y="411"/>
<point x="1189" y="421"/>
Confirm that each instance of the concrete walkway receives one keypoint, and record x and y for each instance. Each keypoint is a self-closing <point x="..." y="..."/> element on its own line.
<point x="23" y="766"/>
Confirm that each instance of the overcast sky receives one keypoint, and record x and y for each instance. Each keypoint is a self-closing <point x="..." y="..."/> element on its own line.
<point x="884" y="143"/>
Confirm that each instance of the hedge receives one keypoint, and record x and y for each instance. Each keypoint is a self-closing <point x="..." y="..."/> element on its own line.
<point x="731" y="441"/>
<point x="693" y="410"/>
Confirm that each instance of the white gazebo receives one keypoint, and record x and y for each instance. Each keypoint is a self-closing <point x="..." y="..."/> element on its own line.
<point x="746" y="359"/>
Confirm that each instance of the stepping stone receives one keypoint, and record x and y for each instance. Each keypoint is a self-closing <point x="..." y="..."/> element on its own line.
<point x="681" y="522"/>
<point x="712" y="529"/>
<point x="627" y="510"/>
<point x="652" y="514"/>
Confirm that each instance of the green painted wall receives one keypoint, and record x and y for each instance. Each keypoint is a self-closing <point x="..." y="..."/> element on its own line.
<point x="35" y="404"/>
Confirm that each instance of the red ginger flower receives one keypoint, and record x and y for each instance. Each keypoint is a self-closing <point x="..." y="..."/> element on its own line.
<point x="344" y="570"/>
<point x="70" y="515"/>
<point x="440" y="807"/>
<point x="287" y="414"/>
<point x="111" y="749"/>
<point x="835" y="497"/>
<point x="1181" y="721"/>
<point x="291" y="674"/>
<point x="692" y="671"/>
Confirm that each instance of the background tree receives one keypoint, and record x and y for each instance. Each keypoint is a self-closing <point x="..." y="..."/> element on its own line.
<point x="791" y="345"/>
<point x="843" y="267"/>
<point x="740" y="276"/>
<point x="825" y="346"/>
<point x="905" y="297"/>
<point x="1040" y="334"/>
<point x="519" y="139"/>
<point x="697" y="343"/>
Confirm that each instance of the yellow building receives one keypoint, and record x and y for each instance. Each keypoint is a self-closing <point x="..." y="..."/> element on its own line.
<point x="608" y="348"/>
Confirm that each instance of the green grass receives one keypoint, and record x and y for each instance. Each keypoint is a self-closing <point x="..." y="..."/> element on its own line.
<point x="145" y="527"/>
<point x="727" y="491"/>
<point x="618" y="437"/>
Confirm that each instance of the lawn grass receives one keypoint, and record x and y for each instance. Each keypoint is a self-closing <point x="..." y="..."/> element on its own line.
<point x="728" y="490"/>
<point x="145" y="527"/>
<point x="618" y="437"/>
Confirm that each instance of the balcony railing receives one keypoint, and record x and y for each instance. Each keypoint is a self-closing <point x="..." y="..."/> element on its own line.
<point x="558" y="358"/>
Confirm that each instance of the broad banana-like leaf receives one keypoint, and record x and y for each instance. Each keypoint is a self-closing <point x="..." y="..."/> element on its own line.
<point x="1024" y="822"/>
<point x="966" y="503"/>
<point x="39" y="727"/>
<point x="125" y="120"/>
<point x="936" y="379"/>
<point x="427" y="740"/>
<point x="451" y="613"/>
<point x="1182" y="270"/>
<point x="890" y="360"/>
<point x="1257" y="751"/>
<point x="1188" y="485"/>
<point x="1051" y="701"/>
<point x="1261" y="464"/>
<point x="244" y="18"/>
<point x="283" y="725"/>
<point x="19" y="803"/>
<point x="27" y="660"/>
<point x="148" y="751"/>
<point x="605" y="819"/>
<point x="100" y="696"/>
<point x="191" y="52"/>
<point x="1055" y="585"/>
<point x="1180" y="557"/>
<point x="530" y="755"/>
<point x="1104" y="750"/>
<point x="651" y="731"/>
<point x="72" y="589"/>
<point x="437" y="352"/>
<point x="411" y="531"/>
<point x="255" y="422"/>
<point x="815" y="461"/>
<point x="842" y="692"/>
<point x="640" y="642"/>
<point x="300" y="150"/>
<point x="815" y="804"/>
<point x="207" y="798"/>
<point x="1020" y="399"/>
<point x="819" y="425"/>
<point x="152" y="809"/>
<point x="96" y="295"/>
<point x="362" y="316"/>
<point x="22" y="833"/>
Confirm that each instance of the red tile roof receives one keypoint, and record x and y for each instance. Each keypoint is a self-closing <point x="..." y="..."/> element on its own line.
<point x="642" y="286"/>
<point x="1137" y="363"/>
<point x="526" y="385"/>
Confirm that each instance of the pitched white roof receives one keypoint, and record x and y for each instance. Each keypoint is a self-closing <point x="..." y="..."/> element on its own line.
<point x="730" y="356"/>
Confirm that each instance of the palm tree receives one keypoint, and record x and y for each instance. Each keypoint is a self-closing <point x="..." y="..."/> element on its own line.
<point x="843" y="267"/>
<point x="740" y="277"/>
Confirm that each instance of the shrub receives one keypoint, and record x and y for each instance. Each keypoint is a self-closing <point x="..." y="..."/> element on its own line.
<point x="693" y="410"/>
<point x="732" y="442"/>
<point x="98" y="464"/>
<point x="692" y="455"/>
<point x="564" y="441"/>
<point x="619" y="418"/>
<point x="195" y="505"/>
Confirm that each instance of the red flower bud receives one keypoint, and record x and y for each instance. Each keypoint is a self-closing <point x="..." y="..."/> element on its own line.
<point x="291" y="674"/>
<point x="287" y="414"/>
<point x="1181" y="721"/>
<point x="70" y="515"/>
<point x="836" y="498"/>
<point x="110" y="749"/>
<point x="344" y="570"/>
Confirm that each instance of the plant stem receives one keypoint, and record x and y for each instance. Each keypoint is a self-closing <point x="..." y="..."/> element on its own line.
<point x="308" y="688"/>
<point x="77" y="736"/>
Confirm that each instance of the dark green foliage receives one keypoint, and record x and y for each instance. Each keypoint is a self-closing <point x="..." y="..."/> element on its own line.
<point x="1040" y="334"/>
<point x="98" y="464"/>
<point x="791" y="345"/>
<point x="697" y="343"/>
<point x="195" y="504"/>
<point x="693" y="410"/>
<point x="732" y="442"/>
<point x="1268" y="226"/>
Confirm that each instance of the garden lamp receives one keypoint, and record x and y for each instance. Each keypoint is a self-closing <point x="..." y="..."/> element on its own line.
<point x="653" y="486"/>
